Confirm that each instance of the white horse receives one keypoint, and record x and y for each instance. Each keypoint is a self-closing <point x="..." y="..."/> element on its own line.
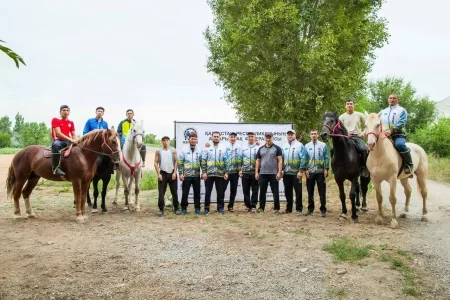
<point x="384" y="164"/>
<point x="130" y="166"/>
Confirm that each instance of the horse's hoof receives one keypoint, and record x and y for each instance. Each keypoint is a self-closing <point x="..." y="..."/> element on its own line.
<point x="126" y="209"/>
<point x="90" y="204"/>
<point x="18" y="217"/>
<point x="114" y="203"/>
<point x="379" y="220"/>
<point x="342" y="217"/>
<point x="394" y="224"/>
<point x="364" y="208"/>
<point x="31" y="216"/>
<point x="357" y="208"/>
<point x="138" y="208"/>
<point x="356" y="220"/>
<point x="85" y="216"/>
<point x="104" y="212"/>
<point x="403" y="215"/>
<point x="80" y="220"/>
<point x="424" y="218"/>
<point x="94" y="211"/>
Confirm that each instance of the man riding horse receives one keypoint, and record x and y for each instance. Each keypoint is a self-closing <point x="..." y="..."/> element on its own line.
<point x="63" y="133"/>
<point x="124" y="127"/>
<point x="393" y="120"/>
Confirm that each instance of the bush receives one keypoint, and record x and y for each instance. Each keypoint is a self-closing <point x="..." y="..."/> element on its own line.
<point x="5" y="140"/>
<point x="149" y="181"/>
<point x="434" y="138"/>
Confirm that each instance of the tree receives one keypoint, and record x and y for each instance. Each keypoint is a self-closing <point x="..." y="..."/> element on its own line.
<point x="434" y="138"/>
<point x="150" y="139"/>
<point x="289" y="61"/>
<point x="5" y="125"/>
<point x="18" y="124"/>
<point x="421" y="110"/>
<point x="35" y="134"/>
<point x="14" y="56"/>
<point x="19" y="121"/>
<point x="5" y="140"/>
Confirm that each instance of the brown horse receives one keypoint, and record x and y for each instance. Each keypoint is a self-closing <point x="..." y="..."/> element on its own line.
<point x="30" y="164"/>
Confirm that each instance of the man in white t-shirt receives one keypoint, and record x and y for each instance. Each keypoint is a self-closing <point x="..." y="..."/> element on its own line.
<point x="352" y="121"/>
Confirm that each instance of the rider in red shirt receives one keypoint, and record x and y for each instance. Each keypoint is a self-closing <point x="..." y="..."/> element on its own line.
<point x="63" y="133"/>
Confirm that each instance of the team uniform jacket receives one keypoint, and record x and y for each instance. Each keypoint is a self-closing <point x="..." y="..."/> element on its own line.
<point x="234" y="155"/>
<point x="294" y="155"/>
<point x="189" y="161"/>
<point x="249" y="158"/>
<point x="316" y="157"/>
<point x="394" y="117"/>
<point x="214" y="161"/>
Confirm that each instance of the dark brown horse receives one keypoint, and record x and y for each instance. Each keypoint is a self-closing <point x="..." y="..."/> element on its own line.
<point x="30" y="164"/>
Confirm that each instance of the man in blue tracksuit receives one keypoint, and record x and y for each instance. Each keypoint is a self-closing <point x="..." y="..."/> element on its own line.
<point x="394" y="120"/>
<point x="96" y="123"/>
<point x="234" y="155"/>
<point x="316" y="169"/>
<point x="293" y="156"/>
<point x="214" y="172"/>
<point x="247" y="173"/>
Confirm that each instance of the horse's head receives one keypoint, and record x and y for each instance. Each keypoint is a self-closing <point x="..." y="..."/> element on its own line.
<point x="111" y="144"/>
<point x="136" y="134"/>
<point x="373" y="129"/>
<point x="330" y="123"/>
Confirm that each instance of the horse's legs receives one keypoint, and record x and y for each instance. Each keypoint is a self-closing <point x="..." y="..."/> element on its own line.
<point x="340" y="184"/>
<point x="17" y="191"/>
<point x="88" y="197"/>
<point x="407" y="189"/>
<point x="26" y="192"/>
<point x="357" y="194"/>
<point x="364" y="185"/>
<point x="105" y="181"/>
<point x="128" y="202"/>
<point x="95" y="186"/>
<point x="355" y="186"/>
<point x="421" y="182"/>
<point x="377" y="186"/>
<point x="126" y="190"/>
<point x="84" y="189"/>
<point x="79" y="197"/>
<point x="137" y="178"/>
<point x="117" y="187"/>
<point x="393" y="200"/>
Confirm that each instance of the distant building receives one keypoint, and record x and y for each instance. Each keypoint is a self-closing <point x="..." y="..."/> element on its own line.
<point x="443" y="108"/>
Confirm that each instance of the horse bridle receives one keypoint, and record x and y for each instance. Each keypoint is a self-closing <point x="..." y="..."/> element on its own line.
<point x="135" y="135"/>
<point x="110" y="149"/>
<point x="377" y="135"/>
<point x="338" y="126"/>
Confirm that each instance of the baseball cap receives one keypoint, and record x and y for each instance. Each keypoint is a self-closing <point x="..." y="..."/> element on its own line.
<point x="291" y="131"/>
<point x="268" y="134"/>
<point x="165" y="138"/>
<point x="233" y="133"/>
<point x="250" y="133"/>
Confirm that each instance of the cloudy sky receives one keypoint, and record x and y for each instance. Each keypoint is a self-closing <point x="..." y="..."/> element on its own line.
<point x="150" y="56"/>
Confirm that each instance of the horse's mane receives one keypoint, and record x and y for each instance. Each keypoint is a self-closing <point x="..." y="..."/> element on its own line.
<point x="334" y="115"/>
<point x="90" y="137"/>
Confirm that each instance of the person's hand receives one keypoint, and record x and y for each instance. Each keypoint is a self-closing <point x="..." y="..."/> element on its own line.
<point x="174" y="176"/>
<point x="279" y="176"/>
<point x="225" y="176"/>
<point x="159" y="177"/>
<point x="257" y="176"/>
<point x="74" y="141"/>
<point x="307" y="174"/>
<point x="181" y="177"/>
<point x="299" y="175"/>
<point x="207" y="145"/>
<point x="360" y="135"/>
<point x="325" y="173"/>
<point x="240" y="174"/>
<point x="204" y="176"/>
<point x="257" y="143"/>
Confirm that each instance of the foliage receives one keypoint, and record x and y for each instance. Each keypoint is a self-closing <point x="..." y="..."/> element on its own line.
<point x="150" y="139"/>
<point x="421" y="110"/>
<point x="5" y="125"/>
<point x="35" y="134"/>
<point x="5" y="140"/>
<point x="439" y="168"/>
<point x="18" y="124"/>
<point x="149" y="181"/>
<point x="434" y="138"/>
<point x="346" y="249"/>
<point x="289" y="61"/>
<point x="14" y="56"/>
<point x="9" y="150"/>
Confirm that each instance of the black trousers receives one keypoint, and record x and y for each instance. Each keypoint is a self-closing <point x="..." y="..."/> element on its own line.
<point x="291" y="184"/>
<point x="162" y="187"/>
<point x="186" y="186"/>
<point x="249" y="182"/>
<point x="233" y="179"/>
<point x="321" y="187"/>
<point x="264" y="181"/>
<point x="220" y="191"/>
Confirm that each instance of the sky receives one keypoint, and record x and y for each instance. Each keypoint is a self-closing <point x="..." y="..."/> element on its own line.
<point x="151" y="56"/>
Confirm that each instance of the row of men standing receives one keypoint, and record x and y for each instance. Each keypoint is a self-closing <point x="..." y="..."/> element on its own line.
<point x="222" y="164"/>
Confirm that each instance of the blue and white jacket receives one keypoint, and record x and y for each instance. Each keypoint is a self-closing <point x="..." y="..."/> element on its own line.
<point x="189" y="161"/>
<point x="234" y="154"/>
<point x="394" y="117"/>
<point x="214" y="161"/>
<point x="249" y="158"/>
<point x="316" y="157"/>
<point x="93" y="124"/>
<point x="294" y="155"/>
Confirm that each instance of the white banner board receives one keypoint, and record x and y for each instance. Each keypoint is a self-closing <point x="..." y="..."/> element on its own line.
<point x="204" y="133"/>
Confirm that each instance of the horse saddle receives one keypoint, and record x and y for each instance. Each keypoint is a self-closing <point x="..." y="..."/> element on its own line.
<point x="65" y="151"/>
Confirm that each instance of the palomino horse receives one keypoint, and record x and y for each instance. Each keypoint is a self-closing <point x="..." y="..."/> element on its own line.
<point x="345" y="162"/>
<point x="30" y="164"/>
<point x="130" y="165"/>
<point x="384" y="164"/>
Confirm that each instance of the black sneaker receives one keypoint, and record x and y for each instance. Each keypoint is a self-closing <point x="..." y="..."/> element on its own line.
<point x="299" y="212"/>
<point x="206" y="212"/>
<point x="230" y="209"/>
<point x="323" y="214"/>
<point x="160" y="213"/>
<point x="309" y="213"/>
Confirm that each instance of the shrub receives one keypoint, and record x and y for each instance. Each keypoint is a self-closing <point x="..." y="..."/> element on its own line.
<point x="434" y="138"/>
<point x="5" y="140"/>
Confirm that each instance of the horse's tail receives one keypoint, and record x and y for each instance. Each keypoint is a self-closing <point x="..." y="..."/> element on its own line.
<point x="10" y="181"/>
<point x="422" y="168"/>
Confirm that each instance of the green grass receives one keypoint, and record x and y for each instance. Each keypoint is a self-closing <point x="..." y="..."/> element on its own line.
<point x="338" y="292"/>
<point x="439" y="168"/>
<point x="9" y="150"/>
<point x="347" y="249"/>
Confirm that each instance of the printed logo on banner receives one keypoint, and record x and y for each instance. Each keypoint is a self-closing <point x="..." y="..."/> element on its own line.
<point x="188" y="132"/>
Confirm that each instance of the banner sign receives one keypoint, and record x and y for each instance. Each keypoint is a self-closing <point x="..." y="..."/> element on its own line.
<point x="204" y="132"/>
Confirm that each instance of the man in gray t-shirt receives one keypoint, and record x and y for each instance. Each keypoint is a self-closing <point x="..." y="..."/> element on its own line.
<point x="269" y="165"/>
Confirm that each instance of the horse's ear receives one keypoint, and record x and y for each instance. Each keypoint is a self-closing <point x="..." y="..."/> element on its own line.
<point x="113" y="130"/>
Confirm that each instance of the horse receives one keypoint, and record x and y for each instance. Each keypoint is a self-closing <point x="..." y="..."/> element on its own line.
<point x="130" y="166"/>
<point x="32" y="163"/>
<point x="345" y="162"/>
<point x="105" y="167"/>
<point x="385" y="164"/>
